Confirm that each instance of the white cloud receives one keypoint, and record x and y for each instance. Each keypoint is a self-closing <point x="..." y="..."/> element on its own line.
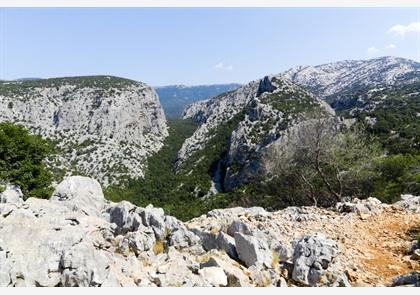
<point x="222" y="66"/>
<point x="401" y="30"/>
<point x="219" y="65"/>
<point x="390" y="46"/>
<point x="372" y="50"/>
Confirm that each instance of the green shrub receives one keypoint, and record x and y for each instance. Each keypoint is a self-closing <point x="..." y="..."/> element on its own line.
<point x="21" y="160"/>
<point x="397" y="174"/>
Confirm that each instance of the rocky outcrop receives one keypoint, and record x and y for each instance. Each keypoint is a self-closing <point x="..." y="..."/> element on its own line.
<point x="409" y="202"/>
<point x="77" y="238"/>
<point x="104" y="126"/>
<point x="10" y="194"/>
<point x="312" y="259"/>
<point x="260" y="116"/>
<point x="81" y="194"/>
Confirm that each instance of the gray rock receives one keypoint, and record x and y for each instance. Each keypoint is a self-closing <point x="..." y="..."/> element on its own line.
<point x="155" y="218"/>
<point x="238" y="227"/>
<point x="416" y="255"/>
<point x="137" y="241"/>
<point x="11" y="194"/>
<point x="363" y="208"/>
<point x="260" y="276"/>
<point x="181" y="237"/>
<point x="409" y="203"/>
<point x="207" y="239"/>
<point x="313" y="255"/>
<point x="124" y="215"/>
<point x="84" y="266"/>
<point x="80" y="193"/>
<point x="214" y="276"/>
<point x="227" y="244"/>
<point x="410" y="279"/>
<point x="178" y="270"/>
<point x="284" y="252"/>
<point x="235" y="276"/>
<point x="252" y="250"/>
<point x="235" y="212"/>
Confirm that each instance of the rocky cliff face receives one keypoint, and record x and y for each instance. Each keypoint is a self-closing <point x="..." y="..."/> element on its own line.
<point x="105" y="126"/>
<point x="77" y="238"/>
<point x="260" y="115"/>
<point x="333" y="78"/>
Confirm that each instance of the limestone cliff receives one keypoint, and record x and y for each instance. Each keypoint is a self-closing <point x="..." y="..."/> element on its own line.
<point x="104" y="126"/>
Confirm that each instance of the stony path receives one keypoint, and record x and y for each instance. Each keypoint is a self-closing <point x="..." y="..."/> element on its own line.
<point x="383" y="241"/>
<point x="374" y="247"/>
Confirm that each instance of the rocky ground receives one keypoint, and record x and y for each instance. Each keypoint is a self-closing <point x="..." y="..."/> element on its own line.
<point x="77" y="238"/>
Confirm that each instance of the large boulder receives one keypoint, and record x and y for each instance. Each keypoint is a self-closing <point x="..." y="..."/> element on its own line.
<point x="124" y="215"/>
<point x="409" y="203"/>
<point x="10" y="194"/>
<point x="236" y="277"/>
<point x="313" y="258"/>
<point x="227" y="244"/>
<point x="85" y="266"/>
<point x="129" y="218"/>
<point x="252" y="250"/>
<point x="411" y="279"/>
<point x="81" y="194"/>
<point x="48" y="235"/>
<point x="214" y="276"/>
<point x="238" y="226"/>
<point x="136" y="242"/>
<point x="363" y="208"/>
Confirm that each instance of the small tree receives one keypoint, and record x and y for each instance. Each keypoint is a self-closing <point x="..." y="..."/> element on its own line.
<point x="21" y="160"/>
<point x="326" y="159"/>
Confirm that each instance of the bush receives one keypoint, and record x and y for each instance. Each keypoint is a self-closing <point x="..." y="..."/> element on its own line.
<point x="397" y="174"/>
<point x="324" y="164"/>
<point x="21" y="160"/>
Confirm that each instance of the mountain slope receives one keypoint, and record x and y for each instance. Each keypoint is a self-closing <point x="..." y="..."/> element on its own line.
<point x="391" y="112"/>
<point x="382" y="92"/>
<point x="104" y="126"/>
<point x="329" y="80"/>
<point x="175" y="98"/>
<point x="238" y="130"/>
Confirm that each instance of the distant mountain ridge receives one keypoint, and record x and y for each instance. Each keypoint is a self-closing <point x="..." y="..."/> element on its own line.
<point x="332" y="79"/>
<point x="175" y="98"/>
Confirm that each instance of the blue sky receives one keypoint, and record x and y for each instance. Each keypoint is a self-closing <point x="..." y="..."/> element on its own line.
<point x="163" y="46"/>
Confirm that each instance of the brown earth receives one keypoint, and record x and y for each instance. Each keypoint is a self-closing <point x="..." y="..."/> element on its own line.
<point x="374" y="248"/>
<point x="383" y="242"/>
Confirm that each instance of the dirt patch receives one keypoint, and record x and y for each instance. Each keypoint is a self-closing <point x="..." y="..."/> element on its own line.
<point x="382" y="242"/>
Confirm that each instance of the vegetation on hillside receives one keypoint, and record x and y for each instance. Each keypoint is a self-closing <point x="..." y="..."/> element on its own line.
<point x="16" y="88"/>
<point x="377" y="157"/>
<point x="394" y="112"/>
<point x="21" y="160"/>
<point x="179" y="193"/>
